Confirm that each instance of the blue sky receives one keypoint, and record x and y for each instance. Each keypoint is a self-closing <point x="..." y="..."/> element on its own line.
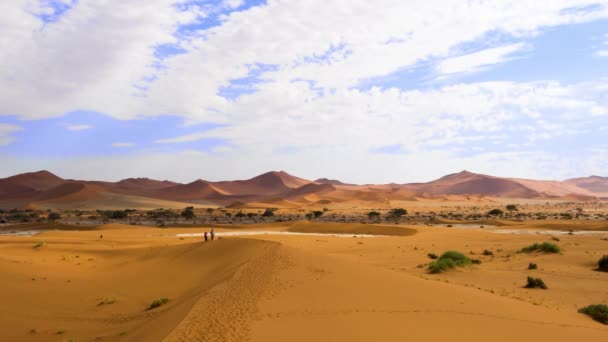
<point x="243" y="87"/>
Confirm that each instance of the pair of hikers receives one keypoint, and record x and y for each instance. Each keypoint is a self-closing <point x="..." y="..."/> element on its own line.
<point x="211" y="234"/>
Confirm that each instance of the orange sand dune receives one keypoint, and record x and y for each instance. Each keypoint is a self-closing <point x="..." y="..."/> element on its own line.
<point x="295" y="288"/>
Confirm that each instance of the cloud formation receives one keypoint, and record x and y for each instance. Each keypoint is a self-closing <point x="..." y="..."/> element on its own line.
<point x="296" y="73"/>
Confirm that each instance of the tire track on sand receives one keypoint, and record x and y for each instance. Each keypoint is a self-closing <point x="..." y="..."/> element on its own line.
<point x="226" y="311"/>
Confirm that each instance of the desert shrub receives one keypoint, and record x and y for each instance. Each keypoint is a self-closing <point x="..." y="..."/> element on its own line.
<point x="545" y="247"/>
<point x="476" y="261"/>
<point x="432" y="256"/>
<point x="511" y="207"/>
<point x="317" y="213"/>
<point x="188" y="213"/>
<point x="397" y="213"/>
<point x="487" y="252"/>
<point x="532" y="266"/>
<point x="251" y="215"/>
<point x="535" y="283"/>
<point x="495" y="212"/>
<point x="54" y="217"/>
<point x="158" y="302"/>
<point x="598" y="312"/>
<point x="268" y="212"/>
<point x="602" y="264"/>
<point x="39" y="244"/>
<point x="107" y="301"/>
<point x="209" y="210"/>
<point x="308" y="216"/>
<point x="373" y="214"/>
<point x="448" y="260"/>
<point x="240" y="214"/>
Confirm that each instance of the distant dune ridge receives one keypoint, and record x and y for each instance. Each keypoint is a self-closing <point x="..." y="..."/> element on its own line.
<point x="43" y="189"/>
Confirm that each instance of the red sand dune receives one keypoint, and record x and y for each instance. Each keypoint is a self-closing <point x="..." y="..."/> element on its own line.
<point x="269" y="188"/>
<point x="595" y="184"/>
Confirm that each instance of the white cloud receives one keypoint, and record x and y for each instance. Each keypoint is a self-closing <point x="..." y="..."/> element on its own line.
<point x="183" y="138"/>
<point x="78" y="127"/>
<point x="98" y="54"/>
<point x="479" y="60"/>
<point x="123" y="144"/>
<point x="5" y="133"/>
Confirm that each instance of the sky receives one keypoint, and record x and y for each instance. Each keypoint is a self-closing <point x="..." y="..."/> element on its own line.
<point x="361" y="91"/>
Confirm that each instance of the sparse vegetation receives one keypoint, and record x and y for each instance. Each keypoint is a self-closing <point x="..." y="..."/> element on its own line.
<point x="535" y="283"/>
<point x="158" y="302"/>
<point x="511" y="207"/>
<point x="598" y="312"/>
<point x="432" y="256"/>
<point x="545" y="247"/>
<point x="602" y="264"/>
<point x="449" y="260"/>
<point x="39" y="245"/>
<point x="532" y="266"/>
<point x="373" y="215"/>
<point x="495" y="212"/>
<point x="188" y="213"/>
<point x="54" y="217"/>
<point x="396" y="213"/>
<point x="107" y="301"/>
<point x="487" y="252"/>
<point x="268" y="212"/>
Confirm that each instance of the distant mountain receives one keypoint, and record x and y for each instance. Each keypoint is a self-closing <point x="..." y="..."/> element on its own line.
<point x="279" y="189"/>
<point x="267" y="184"/>
<point x="330" y="181"/>
<point x="595" y="184"/>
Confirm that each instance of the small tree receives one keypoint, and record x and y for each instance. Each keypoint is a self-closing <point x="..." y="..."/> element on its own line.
<point x="317" y="213"/>
<point x="373" y="215"/>
<point x="396" y="213"/>
<point x="188" y="213"/>
<point x="54" y="217"/>
<point x="511" y="207"/>
<point x="240" y="214"/>
<point x="495" y="212"/>
<point x="268" y="212"/>
<point x="210" y="211"/>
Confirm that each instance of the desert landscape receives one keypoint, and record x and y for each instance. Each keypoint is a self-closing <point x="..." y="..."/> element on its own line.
<point x="517" y="260"/>
<point x="295" y="171"/>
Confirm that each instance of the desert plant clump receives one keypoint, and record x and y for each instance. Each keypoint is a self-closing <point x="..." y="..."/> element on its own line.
<point x="107" y="301"/>
<point x="449" y="260"/>
<point x="602" y="264"/>
<point x="158" y="302"/>
<point x="487" y="252"/>
<point x="432" y="256"/>
<point x="39" y="245"/>
<point x="545" y="247"/>
<point x="535" y="283"/>
<point x="532" y="266"/>
<point x="598" y="312"/>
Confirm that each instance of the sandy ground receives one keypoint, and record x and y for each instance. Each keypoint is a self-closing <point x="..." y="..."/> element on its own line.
<point x="295" y="288"/>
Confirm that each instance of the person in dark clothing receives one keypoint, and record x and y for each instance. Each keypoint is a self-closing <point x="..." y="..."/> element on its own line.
<point x="212" y="234"/>
<point x="205" y="236"/>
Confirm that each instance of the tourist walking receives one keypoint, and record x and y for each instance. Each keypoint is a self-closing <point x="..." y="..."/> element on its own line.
<point x="212" y="234"/>
<point x="205" y="236"/>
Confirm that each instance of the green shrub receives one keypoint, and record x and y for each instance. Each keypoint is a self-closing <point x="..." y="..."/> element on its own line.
<point x="536" y="282"/>
<point x="545" y="247"/>
<point x="602" y="264"/>
<point x="158" y="302"/>
<point x="448" y="260"/>
<point x="598" y="312"/>
<point x="432" y="256"/>
<point x="495" y="212"/>
<point x="532" y="266"/>
<point x="487" y="252"/>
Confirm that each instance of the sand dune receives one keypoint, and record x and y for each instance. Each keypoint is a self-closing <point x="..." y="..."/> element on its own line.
<point x="294" y="288"/>
<point x="273" y="187"/>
